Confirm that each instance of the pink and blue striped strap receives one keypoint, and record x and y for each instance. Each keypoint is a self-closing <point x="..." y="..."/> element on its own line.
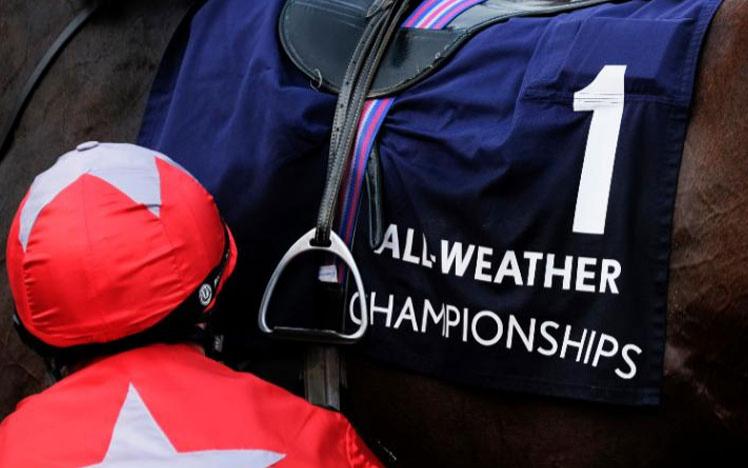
<point x="431" y="14"/>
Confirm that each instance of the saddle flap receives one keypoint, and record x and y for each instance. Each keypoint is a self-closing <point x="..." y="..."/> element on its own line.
<point x="320" y="36"/>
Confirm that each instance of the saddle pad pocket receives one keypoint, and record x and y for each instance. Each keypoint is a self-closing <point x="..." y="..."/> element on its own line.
<point x="572" y="53"/>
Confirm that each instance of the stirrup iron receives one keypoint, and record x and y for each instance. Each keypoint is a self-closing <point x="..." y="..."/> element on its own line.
<point x="321" y="335"/>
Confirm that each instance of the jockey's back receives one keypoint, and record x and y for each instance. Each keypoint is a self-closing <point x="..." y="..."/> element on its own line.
<point x="169" y="405"/>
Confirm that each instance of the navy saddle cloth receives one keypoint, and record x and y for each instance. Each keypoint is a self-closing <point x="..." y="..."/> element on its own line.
<point x="524" y="187"/>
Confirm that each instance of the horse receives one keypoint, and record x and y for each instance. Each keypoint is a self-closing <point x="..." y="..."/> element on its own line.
<point x="97" y="89"/>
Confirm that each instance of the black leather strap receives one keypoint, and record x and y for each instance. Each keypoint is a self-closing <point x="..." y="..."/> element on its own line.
<point x="385" y="17"/>
<point x="322" y="366"/>
<point x="374" y="196"/>
<point x="36" y="76"/>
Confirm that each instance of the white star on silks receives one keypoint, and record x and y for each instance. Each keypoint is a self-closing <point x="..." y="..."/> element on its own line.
<point x="138" y="441"/>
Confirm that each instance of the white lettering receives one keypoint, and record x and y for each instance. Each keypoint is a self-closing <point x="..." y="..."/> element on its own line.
<point x="390" y="241"/>
<point x="584" y="274"/>
<point x="611" y="271"/>
<point x="474" y="328"/>
<point x="408" y="252"/>
<point x="564" y="273"/>
<point x="632" y="367"/>
<point x="465" y="324"/>
<point x="549" y="338"/>
<point x="509" y="267"/>
<point x="407" y="312"/>
<point x="455" y="256"/>
<point x="387" y="311"/>
<point x="601" y="351"/>
<point x="527" y="338"/>
<point x="351" y="308"/>
<point x="425" y="260"/>
<point x="533" y="258"/>
<point x="589" y="347"/>
<point x="451" y="323"/>
<point x="428" y="311"/>
<point x="481" y="264"/>
<point x="567" y="343"/>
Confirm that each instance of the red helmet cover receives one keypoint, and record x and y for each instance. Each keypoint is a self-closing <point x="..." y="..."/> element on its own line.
<point x="98" y="265"/>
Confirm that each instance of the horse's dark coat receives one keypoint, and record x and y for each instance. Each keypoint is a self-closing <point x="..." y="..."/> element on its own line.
<point x="95" y="90"/>
<point x="98" y="87"/>
<point x="704" y="417"/>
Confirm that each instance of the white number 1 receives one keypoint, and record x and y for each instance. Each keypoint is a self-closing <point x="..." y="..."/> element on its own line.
<point x="604" y="97"/>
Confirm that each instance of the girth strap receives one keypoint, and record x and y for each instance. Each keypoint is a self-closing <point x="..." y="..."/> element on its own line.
<point x="322" y="371"/>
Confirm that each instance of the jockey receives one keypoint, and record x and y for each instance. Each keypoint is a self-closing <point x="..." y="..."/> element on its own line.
<point x="115" y="257"/>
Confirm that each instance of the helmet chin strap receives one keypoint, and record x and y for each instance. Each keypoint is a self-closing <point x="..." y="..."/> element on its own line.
<point x="56" y="369"/>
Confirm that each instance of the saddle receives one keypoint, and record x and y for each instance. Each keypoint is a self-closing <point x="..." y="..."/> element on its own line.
<point x="319" y="37"/>
<point x="357" y="49"/>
